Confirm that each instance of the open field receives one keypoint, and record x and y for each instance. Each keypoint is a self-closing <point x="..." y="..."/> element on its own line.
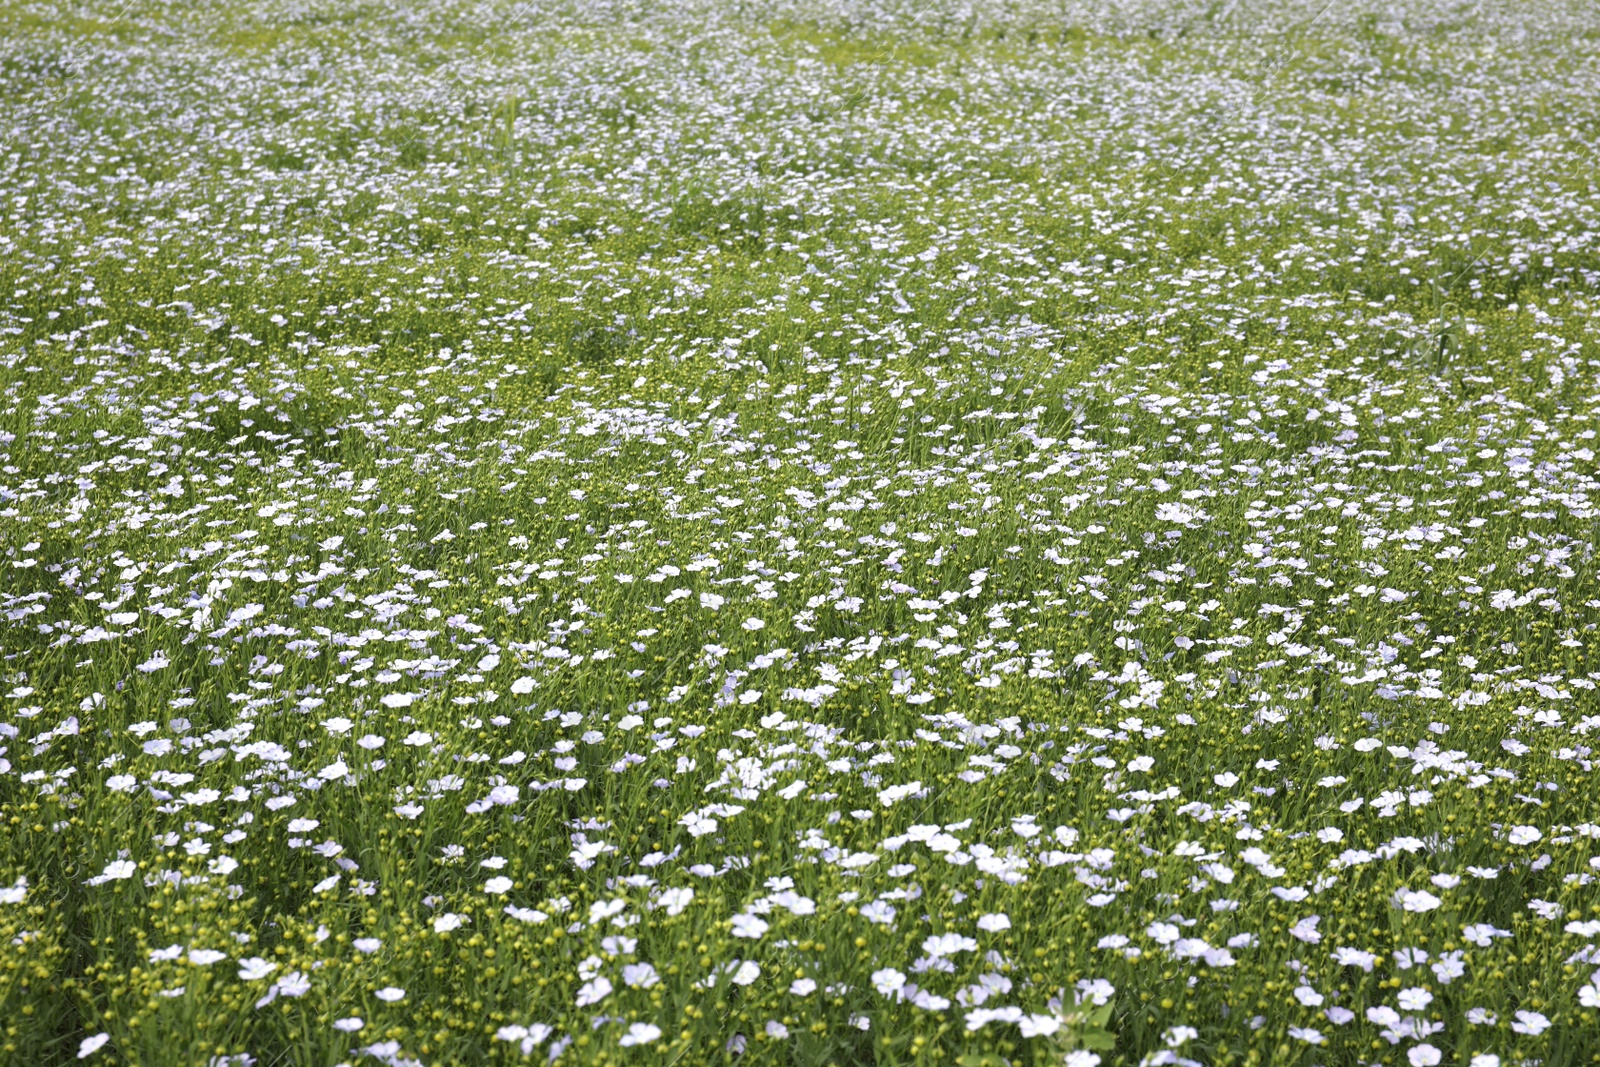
<point x="777" y="532"/>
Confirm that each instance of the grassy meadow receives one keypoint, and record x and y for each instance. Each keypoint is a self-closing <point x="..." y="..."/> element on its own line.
<point x="893" y="532"/>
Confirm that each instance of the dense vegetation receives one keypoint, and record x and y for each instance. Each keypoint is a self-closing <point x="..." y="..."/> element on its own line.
<point x="866" y="533"/>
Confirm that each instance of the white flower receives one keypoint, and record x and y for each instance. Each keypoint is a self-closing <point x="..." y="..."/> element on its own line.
<point x="1423" y="1055"/>
<point x="416" y="739"/>
<point x="601" y="910"/>
<point x="398" y="700"/>
<point x="443" y="924"/>
<point x="1482" y="934"/>
<point x="1524" y="835"/>
<point x="497" y="886"/>
<point x="698" y="825"/>
<point x="940" y="945"/>
<point x="712" y="601"/>
<point x="370" y="741"/>
<point x="640" y="975"/>
<point x="336" y="769"/>
<point x="255" y="968"/>
<point x="748" y="926"/>
<point x="349" y="1026"/>
<point x="804" y="987"/>
<point x="367" y="944"/>
<point x="1531" y="1023"/>
<point x="675" y="900"/>
<point x="640" y="1034"/>
<point x="888" y="980"/>
<point x="1179" y="1035"/>
<point x="594" y="991"/>
<point x="390" y="994"/>
<point x="878" y="911"/>
<point x="114" y="871"/>
<point x="1415" y="999"/>
<point x="889" y="796"/>
<point x="995" y="922"/>
<point x="752" y="624"/>
<point x="1095" y="991"/>
<point x="1354" y="957"/>
<point x="1420" y="900"/>
<point x="205" y="957"/>
<point x="1179" y="513"/>
<point x="90" y="1045"/>
<point x="522" y="686"/>
<point x="293" y="984"/>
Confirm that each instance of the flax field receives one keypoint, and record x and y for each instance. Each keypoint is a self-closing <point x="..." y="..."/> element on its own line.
<point x="799" y="532"/>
